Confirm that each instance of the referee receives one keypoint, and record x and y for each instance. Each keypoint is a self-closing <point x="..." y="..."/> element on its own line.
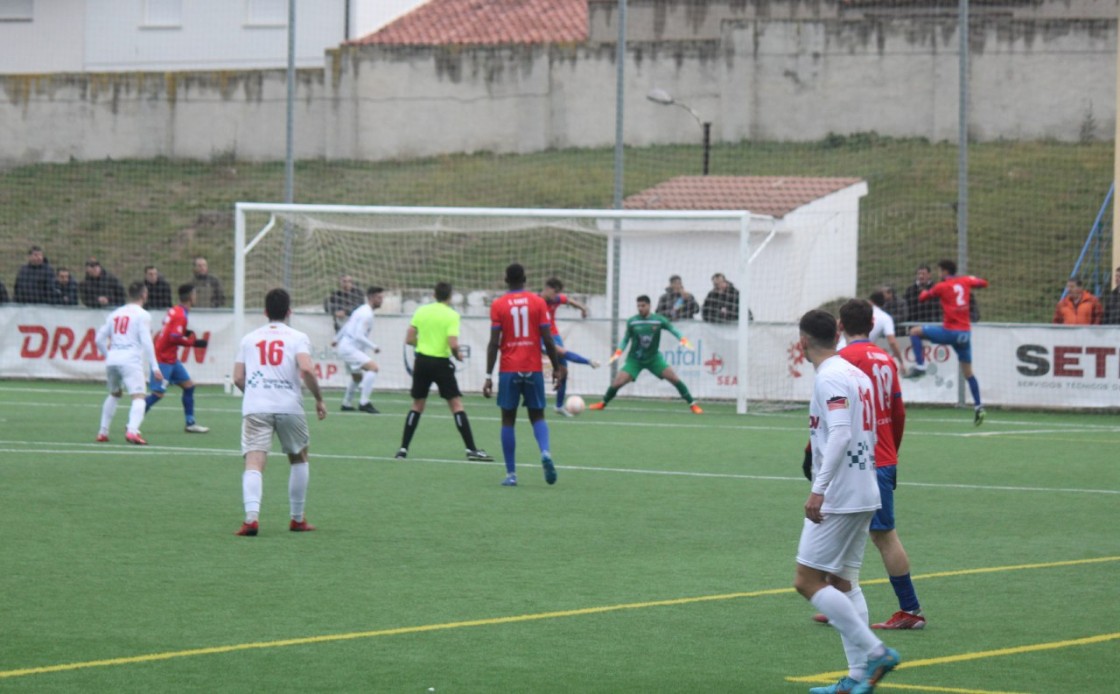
<point x="434" y="332"/>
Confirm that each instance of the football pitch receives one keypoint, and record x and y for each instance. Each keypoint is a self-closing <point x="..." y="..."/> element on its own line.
<point x="661" y="561"/>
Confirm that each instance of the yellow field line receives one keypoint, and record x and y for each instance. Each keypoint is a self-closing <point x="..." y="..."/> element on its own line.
<point x="826" y="677"/>
<point x="329" y="638"/>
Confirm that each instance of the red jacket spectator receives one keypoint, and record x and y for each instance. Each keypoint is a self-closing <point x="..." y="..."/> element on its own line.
<point x="1079" y="307"/>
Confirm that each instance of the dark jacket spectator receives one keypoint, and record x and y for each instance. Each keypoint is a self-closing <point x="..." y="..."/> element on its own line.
<point x="100" y="289"/>
<point x="3" y="293"/>
<point x="65" y="288"/>
<point x="894" y="305"/>
<point x="208" y="288"/>
<point x="1112" y="303"/>
<point x="35" y="281"/>
<point x="921" y="312"/>
<point x="676" y="303"/>
<point x="722" y="303"/>
<point x="342" y="301"/>
<point x="159" y="291"/>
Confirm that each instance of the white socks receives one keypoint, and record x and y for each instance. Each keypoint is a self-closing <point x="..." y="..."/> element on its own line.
<point x="297" y="488"/>
<point x="368" y="377"/>
<point x="842" y="612"/>
<point x="108" y="409"/>
<point x="348" y="397"/>
<point x="251" y="486"/>
<point x="136" y="415"/>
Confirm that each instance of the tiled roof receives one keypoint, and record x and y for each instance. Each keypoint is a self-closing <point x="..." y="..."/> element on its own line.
<point x="486" y="22"/>
<point x="769" y="195"/>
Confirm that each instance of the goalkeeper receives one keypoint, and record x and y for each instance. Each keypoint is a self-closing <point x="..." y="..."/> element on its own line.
<point x="644" y="331"/>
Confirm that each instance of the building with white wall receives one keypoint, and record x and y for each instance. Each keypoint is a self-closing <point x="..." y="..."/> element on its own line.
<point x="50" y="36"/>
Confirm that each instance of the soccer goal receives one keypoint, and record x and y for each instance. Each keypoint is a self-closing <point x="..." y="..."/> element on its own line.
<point x="606" y="259"/>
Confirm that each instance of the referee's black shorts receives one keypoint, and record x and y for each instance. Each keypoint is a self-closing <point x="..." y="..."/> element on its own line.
<point x="428" y="370"/>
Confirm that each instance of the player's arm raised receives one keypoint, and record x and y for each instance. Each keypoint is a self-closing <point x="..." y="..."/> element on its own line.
<point x="307" y="371"/>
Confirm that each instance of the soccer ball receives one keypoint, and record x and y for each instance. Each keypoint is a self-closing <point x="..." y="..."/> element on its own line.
<point x="574" y="404"/>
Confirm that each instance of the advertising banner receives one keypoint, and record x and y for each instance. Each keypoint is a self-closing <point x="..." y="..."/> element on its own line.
<point x="1018" y="365"/>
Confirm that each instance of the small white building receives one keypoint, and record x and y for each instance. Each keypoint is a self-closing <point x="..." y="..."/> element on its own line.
<point x="50" y="36"/>
<point x="803" y="248"/>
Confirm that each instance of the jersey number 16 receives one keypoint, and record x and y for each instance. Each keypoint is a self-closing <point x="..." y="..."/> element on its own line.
<point x="272" y="353"/>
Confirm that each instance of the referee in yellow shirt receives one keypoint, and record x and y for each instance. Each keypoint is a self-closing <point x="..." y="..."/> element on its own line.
<point x="434" y="332"/>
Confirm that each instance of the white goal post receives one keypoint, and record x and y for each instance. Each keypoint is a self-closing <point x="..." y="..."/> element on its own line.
<point x="605" y="258"/>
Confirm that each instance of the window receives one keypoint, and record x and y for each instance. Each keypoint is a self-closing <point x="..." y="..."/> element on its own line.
<point x="266" y="12"/>
<point x="163" y="13"/>
<point x="17" y="10"/>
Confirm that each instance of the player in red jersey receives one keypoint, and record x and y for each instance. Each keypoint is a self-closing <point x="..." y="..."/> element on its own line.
<point x="856" y="320"/>
<point x="554" y="296"/>
<point x="173" y="336"/>
<point x="518" y="327"/>
<point x="955" y="330"/>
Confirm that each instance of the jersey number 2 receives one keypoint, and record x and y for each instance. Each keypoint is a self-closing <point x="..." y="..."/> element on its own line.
<point x="272" y="353"/>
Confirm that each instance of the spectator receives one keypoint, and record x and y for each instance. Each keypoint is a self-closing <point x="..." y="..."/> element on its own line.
<point x="3" y="293"/>
<point x="100" y="289"/>
<point x="65" y="288"/>
<point x="677" y="303"/>
<point x="1112" y="303"/>
<point x="209" y="288"/>
<point x="342" y="301"/>
<point x="1078" y="307"/>
<point x="35" y="281"/>
<point x="893" y="305"/>
<point x="722" y="303"/>
<point x="921" y="313"/>
<point x="159" y="291"/>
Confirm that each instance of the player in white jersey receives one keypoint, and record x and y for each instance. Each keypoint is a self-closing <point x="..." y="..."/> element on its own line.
<point x="126" y="341"/>
<point x="351" y="344"/>
<point x="882" y="327"/>
<point x="271" y="362"/>
<point x="844" y="497"/>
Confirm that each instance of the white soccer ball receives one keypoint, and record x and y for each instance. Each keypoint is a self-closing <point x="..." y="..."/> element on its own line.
<point x="574" y="404"/>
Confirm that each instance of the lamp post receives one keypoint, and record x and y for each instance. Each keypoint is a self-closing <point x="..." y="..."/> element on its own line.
<point x="660" y="96"/>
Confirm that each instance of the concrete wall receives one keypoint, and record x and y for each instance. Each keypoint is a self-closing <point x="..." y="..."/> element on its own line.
<point x="785" y="80"/>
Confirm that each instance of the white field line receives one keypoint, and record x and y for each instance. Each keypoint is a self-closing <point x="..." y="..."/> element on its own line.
<point x="101" y="449"/>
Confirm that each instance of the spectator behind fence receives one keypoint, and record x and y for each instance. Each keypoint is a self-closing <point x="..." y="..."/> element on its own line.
<point x="1079" y="307"/>
<point x="1112" y="302"/>
<point x="159" y="291"/>
<point x="35" y="280"/>
<point x="100" y="289"/>
<point x="209" y="288"/>
<point x="342" y="301"/>
<point x="3" y="293"/>
<point x="677" y="303"/>
<point x="895" y="306"/>
<point x="65" y="288"/>
<point x="921" y="312"/>
<point x="722" y="303"/>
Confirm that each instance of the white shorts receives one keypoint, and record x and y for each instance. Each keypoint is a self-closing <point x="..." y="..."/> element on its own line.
<point x="128" y="378"/>
<point x="257" y="430"/>
<point x="836" y="542"/>
<point x="353" y="357"/>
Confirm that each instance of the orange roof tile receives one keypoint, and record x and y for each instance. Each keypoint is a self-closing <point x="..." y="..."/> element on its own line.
<point x="770" y="195"/>
<point x="486" y="22"/>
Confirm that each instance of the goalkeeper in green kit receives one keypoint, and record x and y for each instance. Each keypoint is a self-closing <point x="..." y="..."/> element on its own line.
<point x="643" y="334"/>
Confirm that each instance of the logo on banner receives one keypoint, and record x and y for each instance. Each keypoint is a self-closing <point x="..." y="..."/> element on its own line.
<point x="63" y="344"/>
<point x="796" y="356"/>
<point x="714" y="364"/>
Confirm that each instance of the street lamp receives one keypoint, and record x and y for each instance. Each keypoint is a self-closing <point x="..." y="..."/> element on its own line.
<point x="660" y="96"/>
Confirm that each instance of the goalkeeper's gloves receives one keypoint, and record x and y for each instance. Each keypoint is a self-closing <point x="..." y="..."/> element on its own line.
<point x="615" y="356"/>
<point x="685" y="343"/>
<point x="201" y="343"/>
<point x="807" y="464"/>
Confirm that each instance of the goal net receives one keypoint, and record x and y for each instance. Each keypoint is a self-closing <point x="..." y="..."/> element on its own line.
<point x="606" y="259"/>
